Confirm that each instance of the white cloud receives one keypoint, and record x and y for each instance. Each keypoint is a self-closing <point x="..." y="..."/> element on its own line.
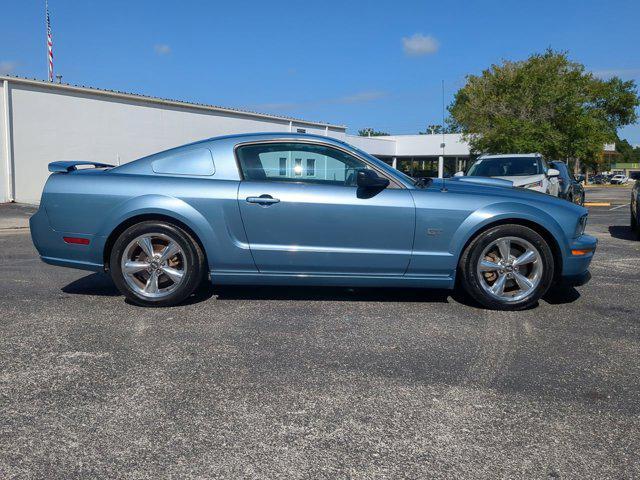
<point x="7" y="67"/>
<point x="360" y="97"/>
<point x="418" y="44"/>
<point x="162" y="49"/>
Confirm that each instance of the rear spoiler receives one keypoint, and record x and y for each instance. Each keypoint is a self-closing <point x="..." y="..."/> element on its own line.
<point x="70" y="166"/>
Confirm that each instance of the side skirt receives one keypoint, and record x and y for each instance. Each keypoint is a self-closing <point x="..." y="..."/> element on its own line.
<point x="425" y="281"/>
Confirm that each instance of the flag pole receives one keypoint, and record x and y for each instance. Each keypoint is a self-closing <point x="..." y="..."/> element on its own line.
<point x="49" y="42"/>
<point x="46" y="29"/>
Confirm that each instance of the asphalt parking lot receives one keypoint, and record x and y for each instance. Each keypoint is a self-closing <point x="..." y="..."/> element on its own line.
<point x="319" y="382"/>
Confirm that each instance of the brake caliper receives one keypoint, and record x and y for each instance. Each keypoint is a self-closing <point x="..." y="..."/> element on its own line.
<point x="491" y="276"/>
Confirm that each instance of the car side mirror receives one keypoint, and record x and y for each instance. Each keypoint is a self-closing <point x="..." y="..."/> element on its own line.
<point x="368" y="178"/>
<point x="458" y="174"/>
<point x="552" y="172"/>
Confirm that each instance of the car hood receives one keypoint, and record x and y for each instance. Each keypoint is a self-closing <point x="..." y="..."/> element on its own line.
<point x="501" y="192"/>
<point x="489" y="181"/>
<point x="519" y="181"/>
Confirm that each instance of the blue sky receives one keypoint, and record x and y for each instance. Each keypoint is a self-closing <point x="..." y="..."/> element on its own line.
<point x="359" y="64"/>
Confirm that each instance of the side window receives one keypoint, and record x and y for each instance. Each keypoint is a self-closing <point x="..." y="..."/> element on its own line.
<point x="308" y="163"/>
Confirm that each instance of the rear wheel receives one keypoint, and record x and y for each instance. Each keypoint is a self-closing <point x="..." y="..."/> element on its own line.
<point x="156" y="264"/>
<point x="508" y="267"/>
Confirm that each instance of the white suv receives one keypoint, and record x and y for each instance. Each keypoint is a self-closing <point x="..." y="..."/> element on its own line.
<point x="525" y="170"/>
<point x="619" y="179"/>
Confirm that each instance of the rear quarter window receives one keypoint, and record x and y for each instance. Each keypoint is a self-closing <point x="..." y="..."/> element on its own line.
<point x="198" y="162"/>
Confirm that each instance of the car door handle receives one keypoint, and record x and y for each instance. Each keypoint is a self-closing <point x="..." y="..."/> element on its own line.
<point x="263" y="200"/>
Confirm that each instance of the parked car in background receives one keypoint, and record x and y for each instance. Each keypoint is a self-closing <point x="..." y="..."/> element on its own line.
<point x="635" y="203"/>
<point x="619" y="179"/>
<point x="528" y="170"/>
<point x="299" y="209"/>
<point x="569" y="187"/>
<point x="597" y="179"/>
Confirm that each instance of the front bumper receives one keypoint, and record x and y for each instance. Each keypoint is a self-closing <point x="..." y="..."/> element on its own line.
<point x="575" y="268"/>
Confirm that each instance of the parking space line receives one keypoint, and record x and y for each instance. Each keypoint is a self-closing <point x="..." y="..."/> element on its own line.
<point x="619" y="206"/>
<point x="597" y="204"/>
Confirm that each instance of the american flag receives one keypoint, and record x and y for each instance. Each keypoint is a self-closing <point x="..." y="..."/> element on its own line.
<point x="49" y="44"/>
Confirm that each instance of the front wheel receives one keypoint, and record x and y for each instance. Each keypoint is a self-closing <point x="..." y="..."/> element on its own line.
<point x="508" y="267"/>
<point x="156" y="264"/>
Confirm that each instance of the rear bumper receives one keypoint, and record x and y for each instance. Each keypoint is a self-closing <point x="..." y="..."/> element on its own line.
<point x="55" y="251"/>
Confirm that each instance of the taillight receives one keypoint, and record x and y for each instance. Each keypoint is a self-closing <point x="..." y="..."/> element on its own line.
<point x="76" y="240"/>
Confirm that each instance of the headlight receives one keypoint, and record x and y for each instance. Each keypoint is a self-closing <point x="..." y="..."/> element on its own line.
<point x="533" y="185"/>
<point x="582" y="224"/>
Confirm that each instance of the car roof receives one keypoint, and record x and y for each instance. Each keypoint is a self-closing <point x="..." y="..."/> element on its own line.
<point x="265" y="135"/>
<point x="245" y="137"/>
<point x="509" y="155"/>
<point x="139" y="165"/>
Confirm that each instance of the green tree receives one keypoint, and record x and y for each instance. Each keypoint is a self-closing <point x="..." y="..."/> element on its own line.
<point x="432" y="130"/>
<point x="436" y="129"/>
<point x="547" y="104"/>
<point x="627" y="153"/>
<point x="370" y="132"/>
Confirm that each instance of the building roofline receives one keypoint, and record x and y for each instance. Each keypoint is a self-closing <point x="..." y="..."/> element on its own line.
<point x="161" y="101"/>
<point x="417" y="135"/>
<point x="374" y="137"/>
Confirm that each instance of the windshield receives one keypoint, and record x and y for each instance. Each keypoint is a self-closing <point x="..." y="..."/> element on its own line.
<point x="384" y="166"/>
<point x="506" y="167"/>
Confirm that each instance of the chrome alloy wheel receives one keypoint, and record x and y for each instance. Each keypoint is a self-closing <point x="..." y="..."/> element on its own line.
<point x="510" y="269"/>
<point x="153" y="265"/>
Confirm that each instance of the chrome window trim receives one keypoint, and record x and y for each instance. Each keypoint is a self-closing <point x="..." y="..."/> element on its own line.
<point x="393" y="182"/>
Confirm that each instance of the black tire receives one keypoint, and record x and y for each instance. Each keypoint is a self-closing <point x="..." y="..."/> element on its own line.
<point x="470" y="259"/>
<point x="634" y="225"/>
<point x="194" y="271"/>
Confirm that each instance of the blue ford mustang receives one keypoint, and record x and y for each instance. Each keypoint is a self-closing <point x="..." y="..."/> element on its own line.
<point x="292" y="209"/>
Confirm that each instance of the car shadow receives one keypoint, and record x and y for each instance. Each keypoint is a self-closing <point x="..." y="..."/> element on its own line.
<point x="100" y="284"/>
<point x="623" y="232"/>
<point x="336" y="294"/>
<point x="561" y="295"/>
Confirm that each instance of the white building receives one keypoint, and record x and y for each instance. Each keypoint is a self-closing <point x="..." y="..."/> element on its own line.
<point x="41" y="122"/>
<point x="417" y="155"/>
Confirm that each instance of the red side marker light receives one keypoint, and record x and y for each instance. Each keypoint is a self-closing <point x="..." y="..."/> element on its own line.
<point x="76" y="240"/>
<point x="580" y="252"/>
